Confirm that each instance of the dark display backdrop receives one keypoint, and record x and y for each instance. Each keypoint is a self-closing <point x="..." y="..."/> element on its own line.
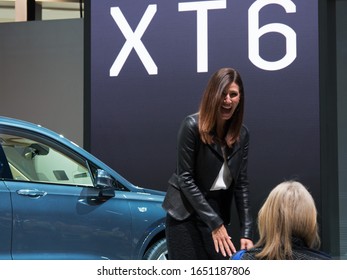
<point x="136" y="109"/>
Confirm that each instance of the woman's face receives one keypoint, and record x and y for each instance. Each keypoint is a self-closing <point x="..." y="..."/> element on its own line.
<point x="230" y="101"/>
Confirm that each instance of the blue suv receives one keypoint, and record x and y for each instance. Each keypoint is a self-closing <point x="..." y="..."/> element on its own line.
<point x="57" y="201"/>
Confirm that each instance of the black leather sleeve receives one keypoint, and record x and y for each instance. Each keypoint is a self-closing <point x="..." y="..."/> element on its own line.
<point x="188" y="143"/>
<point x="241" y="190"/>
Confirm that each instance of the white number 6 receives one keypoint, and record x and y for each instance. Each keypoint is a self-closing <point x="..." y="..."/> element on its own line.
<point x="254" y="33"/>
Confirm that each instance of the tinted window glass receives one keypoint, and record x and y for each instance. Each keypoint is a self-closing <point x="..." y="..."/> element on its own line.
<point x="30" y="160"/>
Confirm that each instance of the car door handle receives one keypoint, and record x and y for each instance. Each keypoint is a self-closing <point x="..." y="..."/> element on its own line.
<point x="32" y="193"/>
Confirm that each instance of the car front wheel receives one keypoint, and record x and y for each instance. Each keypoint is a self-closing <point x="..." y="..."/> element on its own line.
<point x="158" y="251"/>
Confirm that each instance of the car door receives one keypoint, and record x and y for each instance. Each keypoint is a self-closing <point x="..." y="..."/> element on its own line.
<point x="5" y="210"/>
<point x="5" y="222"/>
<point x="57" y="212"/>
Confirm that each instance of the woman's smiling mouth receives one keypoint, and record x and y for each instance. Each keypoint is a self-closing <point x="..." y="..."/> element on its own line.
<point x="226" y="109"/>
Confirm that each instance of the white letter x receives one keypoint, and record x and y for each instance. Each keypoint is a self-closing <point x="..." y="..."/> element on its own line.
<point x="133" y="40"/>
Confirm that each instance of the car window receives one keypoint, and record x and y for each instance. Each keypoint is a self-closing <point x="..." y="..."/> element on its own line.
<point x="30" y="160"/>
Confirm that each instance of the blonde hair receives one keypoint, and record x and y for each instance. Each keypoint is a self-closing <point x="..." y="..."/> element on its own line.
<point x="289" y="211"/>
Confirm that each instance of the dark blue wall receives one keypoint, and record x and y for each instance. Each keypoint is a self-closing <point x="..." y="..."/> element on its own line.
<point x="135" y="114"/>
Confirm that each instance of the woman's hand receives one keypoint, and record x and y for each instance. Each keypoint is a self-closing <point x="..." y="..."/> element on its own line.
<point x="246" y="244"/>
<point x="222" y="241"/>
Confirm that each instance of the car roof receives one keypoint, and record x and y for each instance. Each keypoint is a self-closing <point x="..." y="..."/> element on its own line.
<point x="34" y="128"/>
<point x="37" y="128"/>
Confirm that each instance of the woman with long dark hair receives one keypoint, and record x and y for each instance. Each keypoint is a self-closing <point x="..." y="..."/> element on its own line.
<point x="212" y="156"/>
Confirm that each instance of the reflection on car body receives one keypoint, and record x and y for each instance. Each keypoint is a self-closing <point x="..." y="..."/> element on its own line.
<point x="57" y="201"/>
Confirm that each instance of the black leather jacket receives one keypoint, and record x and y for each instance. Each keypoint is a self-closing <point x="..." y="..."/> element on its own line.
<point x="198" y="165"/>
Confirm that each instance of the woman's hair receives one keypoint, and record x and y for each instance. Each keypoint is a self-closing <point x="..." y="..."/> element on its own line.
<point x="289" y="211"/>
<point x="211" y="101"/>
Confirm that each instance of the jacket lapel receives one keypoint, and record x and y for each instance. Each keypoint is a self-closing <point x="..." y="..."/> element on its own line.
<point x="233" y="150"/>
<point x="216" y="149"/>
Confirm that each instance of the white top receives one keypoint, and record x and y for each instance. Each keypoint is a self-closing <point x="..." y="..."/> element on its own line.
<point x="223" y="180"/>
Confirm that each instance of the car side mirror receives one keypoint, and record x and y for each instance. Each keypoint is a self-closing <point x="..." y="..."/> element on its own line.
<point x="104" y="182"/>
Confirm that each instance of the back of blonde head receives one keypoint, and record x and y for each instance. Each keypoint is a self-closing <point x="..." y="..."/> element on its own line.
<point x="289" y="211"/>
